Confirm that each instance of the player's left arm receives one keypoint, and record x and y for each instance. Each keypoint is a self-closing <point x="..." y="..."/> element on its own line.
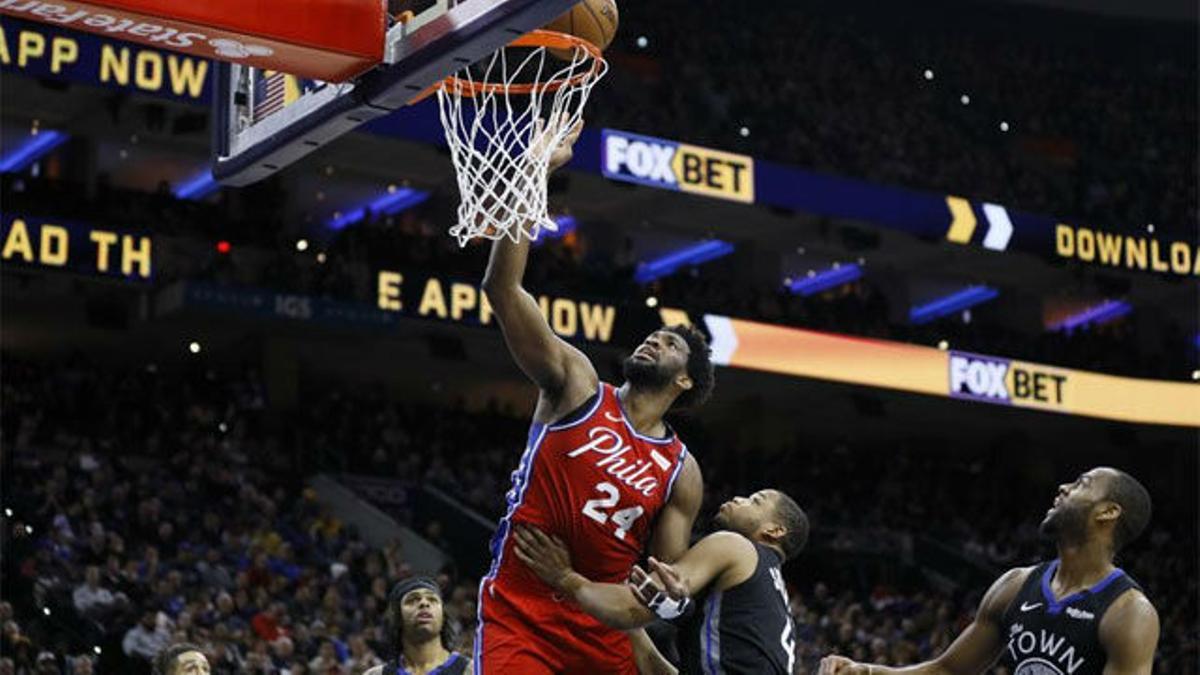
<point x="613" y="604"/>
<point x="673" y="531"/>
<point x="1129" y="635"/>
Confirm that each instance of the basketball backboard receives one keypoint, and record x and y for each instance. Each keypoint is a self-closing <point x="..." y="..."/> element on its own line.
<point x="266" y="120"/>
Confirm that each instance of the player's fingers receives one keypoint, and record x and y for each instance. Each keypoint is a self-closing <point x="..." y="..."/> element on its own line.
<point x="576" y="129"/>
<point x="640" y="593"/>
<point x="540" y="537"/>
<point x="664" y="570"/>
<point x="525" y="540"/>
<point x="638" y="575"/>
<point x="523" y="556"/>
<point x="521" y="542"/>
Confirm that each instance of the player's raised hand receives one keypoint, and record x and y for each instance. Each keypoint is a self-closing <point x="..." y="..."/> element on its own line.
<point x="840" y="665"/>
<point x="547" y="556"/>
<point x="549" y="131"/>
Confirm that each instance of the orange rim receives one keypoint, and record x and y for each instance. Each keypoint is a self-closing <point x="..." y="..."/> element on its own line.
<point x="539" y="38"/>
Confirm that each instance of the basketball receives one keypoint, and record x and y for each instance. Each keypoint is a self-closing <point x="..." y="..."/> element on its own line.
<point x="593" y="20"/>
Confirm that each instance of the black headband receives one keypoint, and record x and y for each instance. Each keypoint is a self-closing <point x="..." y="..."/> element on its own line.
<point x="411" y="584"/>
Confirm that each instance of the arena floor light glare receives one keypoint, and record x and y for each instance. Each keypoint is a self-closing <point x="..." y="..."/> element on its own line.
<point x="34" y="148"/>
<point x="389" y="204"/>
<point x="695" y="254"/>
<point x="825" y="279"/>
<point x="1105" y="311"/>
<point x="955" y="302"/>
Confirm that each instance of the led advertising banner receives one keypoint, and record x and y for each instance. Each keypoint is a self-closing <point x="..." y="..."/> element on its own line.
<point x="52" y="244"/>
<point x="961" y="375"/>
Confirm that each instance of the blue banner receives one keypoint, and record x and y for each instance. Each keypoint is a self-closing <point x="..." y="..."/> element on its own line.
<point x="42" y="50"/>
<point x="296" y="307"/>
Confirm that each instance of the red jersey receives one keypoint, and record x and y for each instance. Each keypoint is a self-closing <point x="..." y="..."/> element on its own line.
<point x="597" y="484"/>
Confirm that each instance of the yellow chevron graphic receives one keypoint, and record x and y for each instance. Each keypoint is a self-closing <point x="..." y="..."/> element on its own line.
<point x="963" y="224"/>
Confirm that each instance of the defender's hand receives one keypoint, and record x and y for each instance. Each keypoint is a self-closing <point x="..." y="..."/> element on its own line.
<point x="675" y="585"/>
<point x="547" y="556"/>
<point x="644" y="586"/>
<point x="840" y="665"/>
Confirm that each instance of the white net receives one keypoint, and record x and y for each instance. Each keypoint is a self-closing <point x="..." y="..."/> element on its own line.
<point x="503" y="119"/>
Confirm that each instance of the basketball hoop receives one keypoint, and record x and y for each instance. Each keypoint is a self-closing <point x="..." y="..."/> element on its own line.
<point x="503" y="118"/>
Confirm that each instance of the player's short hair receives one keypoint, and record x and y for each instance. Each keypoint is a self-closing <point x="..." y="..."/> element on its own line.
<point x="795" y="521"/>
<point x="168" y="658"/>
<point x="699" y="368"/>
<point x="1135" y="504"/>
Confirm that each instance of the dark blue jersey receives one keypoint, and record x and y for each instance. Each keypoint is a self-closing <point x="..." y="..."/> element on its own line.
<point x="1047" y="636"/>
<point x="744" y="629"/>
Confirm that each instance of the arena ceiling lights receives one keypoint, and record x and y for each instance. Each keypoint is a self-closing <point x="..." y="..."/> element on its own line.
<point x="955" y="302"/>
<point x="816" y="282"/>
<point x="394" y="201"/>
<point x="695" y="254"/>
<point x="36" y="147"/>
<point x="1105" y="311"/>
<point x="197" y="187"/>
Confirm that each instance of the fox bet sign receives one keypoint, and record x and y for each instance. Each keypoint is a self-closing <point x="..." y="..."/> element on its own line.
<point x="677" y="166"/>
<point x="994" y="380"/>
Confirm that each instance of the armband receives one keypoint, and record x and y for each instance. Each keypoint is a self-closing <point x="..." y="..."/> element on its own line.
<point x="666" y="607"/>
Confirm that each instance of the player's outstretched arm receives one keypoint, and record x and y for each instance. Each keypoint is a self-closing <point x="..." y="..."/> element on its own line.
<point x="723" y="558"/>
<point x="564" y="375"/>
<point x="627" y="606"/>
<point x="972" y="652"/>
<point x="673" y="531"/>
<point x="1129" y="635"/>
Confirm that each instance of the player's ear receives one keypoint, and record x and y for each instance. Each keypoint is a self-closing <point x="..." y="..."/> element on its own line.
<point x="1108" y="511"/>
<point x="684" y="381"/>
<point x="772" y="531"/>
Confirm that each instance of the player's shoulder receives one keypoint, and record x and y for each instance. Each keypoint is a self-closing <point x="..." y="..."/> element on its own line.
<point x="1004" y="590"/>
<point x="1131" y="606"/>
<point x="1130" y="626"/>
<point x="729" y="541"/>
<point x="1017" y="576"/>
<point x="374" y="670"/>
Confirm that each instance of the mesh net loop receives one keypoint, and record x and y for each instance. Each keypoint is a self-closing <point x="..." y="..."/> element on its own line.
<point x="503" y="119"/>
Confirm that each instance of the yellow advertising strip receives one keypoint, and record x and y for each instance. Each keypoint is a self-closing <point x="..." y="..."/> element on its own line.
<point x="791" y="351"/>
<point x="952" y="374"/>
<point x="1135" y="400"/>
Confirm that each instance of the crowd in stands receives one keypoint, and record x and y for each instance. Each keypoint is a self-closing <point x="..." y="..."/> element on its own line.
<point x="134" y="521"/>
<point x="1094" y="104"/>
<point x="152" y="505"/>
